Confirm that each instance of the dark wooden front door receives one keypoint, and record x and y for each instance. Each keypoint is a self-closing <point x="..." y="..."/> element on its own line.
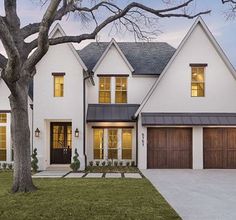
<point x="169" y="148"/>
<point x="219" y="148"/>
<point x="61" y="139"/>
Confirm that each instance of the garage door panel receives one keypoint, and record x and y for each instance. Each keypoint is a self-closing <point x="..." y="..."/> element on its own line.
<point x="171" y="147"/>
<point x="231" y="160"/>
<point x="213" y="159"/>
<point x="219" y="147"/>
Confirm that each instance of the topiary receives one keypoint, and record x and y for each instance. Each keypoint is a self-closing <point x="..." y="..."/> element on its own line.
<point x="34" y="162"/>
<point x="75" y="165"/>
<point x="91" y="163"/>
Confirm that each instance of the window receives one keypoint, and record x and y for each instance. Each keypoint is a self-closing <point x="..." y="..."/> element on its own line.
<point x="3" y="143"/>
<point x="198" y="81"/>
<point x="121" y="89"/>
<point x="104" y="89"/>
<point x="127" y="144"/>
<point x="112" y="144"/>
<point x="3" y="118"/>
<point x="58" y="86"/>
<point x="98" y="144"/>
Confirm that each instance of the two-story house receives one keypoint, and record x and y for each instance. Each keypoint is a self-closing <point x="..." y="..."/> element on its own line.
<point x="145" y="102"/>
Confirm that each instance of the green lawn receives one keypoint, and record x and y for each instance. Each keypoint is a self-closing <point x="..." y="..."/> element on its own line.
<point x="84" y="199"/>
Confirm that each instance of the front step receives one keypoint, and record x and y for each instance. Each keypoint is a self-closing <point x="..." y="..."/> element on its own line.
<point x="58" y="168"/>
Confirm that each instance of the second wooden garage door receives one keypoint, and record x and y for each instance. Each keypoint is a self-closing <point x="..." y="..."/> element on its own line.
<point x="169" y="148"/>
<point x="219" y="148"/>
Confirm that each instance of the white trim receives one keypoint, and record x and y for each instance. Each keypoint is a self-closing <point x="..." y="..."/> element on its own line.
<point x="199" y="21"/>
<point x="113" y="42"/>
<point x="58" y="27"/>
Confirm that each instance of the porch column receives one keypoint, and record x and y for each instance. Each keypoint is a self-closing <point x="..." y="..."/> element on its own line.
<point x="197" y="148"/>
<point x="119" y="144"/>
<point x="8" y="139"/>
<point x="105" y="142"/>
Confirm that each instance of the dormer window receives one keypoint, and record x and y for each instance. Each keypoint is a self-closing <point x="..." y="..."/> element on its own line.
<point x="198" y="80"/>
<point x="105" y="90"/>
<point x="121" y="90"/>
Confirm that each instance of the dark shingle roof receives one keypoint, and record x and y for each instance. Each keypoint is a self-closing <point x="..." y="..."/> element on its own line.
<point x="201" y="119"/>
<point x="145" y="57"/>
<point x="111" y="112"/>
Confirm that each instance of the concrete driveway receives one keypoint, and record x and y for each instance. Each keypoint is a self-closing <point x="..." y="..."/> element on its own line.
<point x="197" y="194"/>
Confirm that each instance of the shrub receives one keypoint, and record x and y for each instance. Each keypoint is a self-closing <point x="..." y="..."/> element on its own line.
<point x="0" y="166"/>
<point x="10" y="166"/>
<point x="132" y="163"/>
<point x="97" y="163"/>
<point x="120" y="163"/>
<point x="75" y="165"/>
<point x="127" y="163"/>
<point x="91" y="163"/>
<point x="115" y="163"/>
<point x="103" y="163"/>
<point x="4" y="166"/>
<point x="109" y="163"/>
<point x="34" y="162"/>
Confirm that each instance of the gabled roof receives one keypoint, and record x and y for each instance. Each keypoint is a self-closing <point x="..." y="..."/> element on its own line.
<point x="59" y="29"/>
<point x="113" y="42"/>
<point x="146" y="58"/>
<point x="111" y="112"/>
<point x="198" y="21"/>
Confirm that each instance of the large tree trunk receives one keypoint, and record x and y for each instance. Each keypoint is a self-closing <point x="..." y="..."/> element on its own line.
<point x="20" y="132"/>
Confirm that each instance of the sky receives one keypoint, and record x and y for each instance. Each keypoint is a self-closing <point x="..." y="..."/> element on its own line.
<point x="170" y="30"/>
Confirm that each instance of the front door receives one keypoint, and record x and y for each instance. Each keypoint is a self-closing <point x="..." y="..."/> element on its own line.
<point x="61" y="142"/>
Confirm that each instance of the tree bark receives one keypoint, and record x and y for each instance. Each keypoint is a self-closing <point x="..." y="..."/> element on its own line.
<point x="22" y="181"/>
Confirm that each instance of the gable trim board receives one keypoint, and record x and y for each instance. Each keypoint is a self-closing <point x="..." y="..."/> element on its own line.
<point x="61" y="31"/>
<point x="113" y="42"/>
<point x="199" y="21"/>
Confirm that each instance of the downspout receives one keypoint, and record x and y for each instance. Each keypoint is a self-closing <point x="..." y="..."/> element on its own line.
<point x="32" y="124"/>
<point x="137" y="142"/>
<point x="84" y="112"/>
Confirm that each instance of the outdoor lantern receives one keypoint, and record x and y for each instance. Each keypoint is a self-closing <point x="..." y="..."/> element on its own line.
<point x="76" y="132"/>
<point x="37" y="132"/>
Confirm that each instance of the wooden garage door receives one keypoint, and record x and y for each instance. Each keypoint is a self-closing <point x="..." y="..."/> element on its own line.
<point x="169" y="148"/>
<point x="219" y="148"/>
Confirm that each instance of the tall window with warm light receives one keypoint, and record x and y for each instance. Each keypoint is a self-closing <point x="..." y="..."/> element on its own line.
<point x="58" y="86"/>
<point x="105" y="90"/>
<point x="127" y="144"/>
<point x="121" y="89"/>
<point x="3" y="143"/>
<point x="98" y="147"/>
<point x="198" y="81"/>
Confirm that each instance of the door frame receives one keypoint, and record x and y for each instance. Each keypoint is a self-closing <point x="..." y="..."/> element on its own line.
<point x="51" y="137"/>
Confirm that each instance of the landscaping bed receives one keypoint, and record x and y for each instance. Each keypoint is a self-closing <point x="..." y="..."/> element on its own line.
<point x="111" y="169"/>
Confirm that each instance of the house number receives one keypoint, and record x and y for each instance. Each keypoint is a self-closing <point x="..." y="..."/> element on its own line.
<point x="143" y="139"/>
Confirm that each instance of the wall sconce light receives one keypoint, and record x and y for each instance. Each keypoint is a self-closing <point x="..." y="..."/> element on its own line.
<point x="37" y="132"/>
<point x="76" y="132"/>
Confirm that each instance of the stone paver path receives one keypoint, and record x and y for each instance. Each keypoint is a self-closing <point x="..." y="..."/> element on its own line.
<point x="113" y="175"/>
<point x="66" y="174"/>
<point x="50" y="174"/>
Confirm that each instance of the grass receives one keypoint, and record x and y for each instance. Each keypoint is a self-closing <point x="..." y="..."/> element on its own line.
<point x="112" y="169"/>
<point x="59" y="199"/>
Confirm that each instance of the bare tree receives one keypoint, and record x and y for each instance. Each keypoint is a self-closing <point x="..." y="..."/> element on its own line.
<point x="231" y="12"/>
<point x="18" y="68"/>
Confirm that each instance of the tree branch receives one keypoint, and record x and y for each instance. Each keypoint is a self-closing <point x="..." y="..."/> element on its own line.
<point x="3" y="61"/>
<point x="121" y="14"/>
<point x="11" y="50"/>
<point x="42" y="40"/>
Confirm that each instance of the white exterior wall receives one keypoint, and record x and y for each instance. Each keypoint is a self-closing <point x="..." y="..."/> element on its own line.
<point x="173" y="93"/>
<point x="113" y="63"/>
<point x="5" y="92"/>
<point x="48" y="108"/>
<point x="197" y="150"/>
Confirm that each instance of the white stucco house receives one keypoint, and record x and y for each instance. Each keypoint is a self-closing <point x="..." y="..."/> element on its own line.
<point x="149" y="103"/>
